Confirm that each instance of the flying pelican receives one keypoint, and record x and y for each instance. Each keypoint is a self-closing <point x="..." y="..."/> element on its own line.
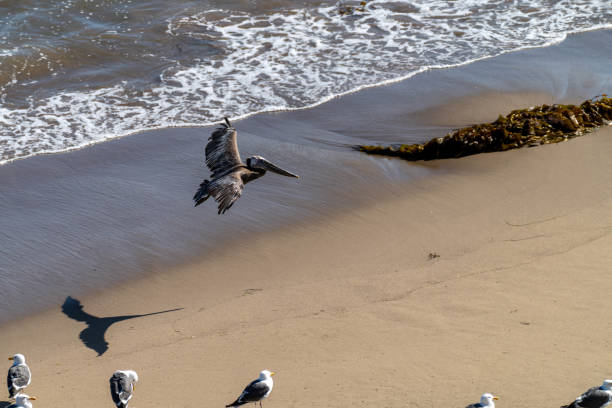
<point x="19" y="375"/>
<point x="596" y="397"/>
<point x="122" y="385"/>
<point x="229" y="173"/>
<point x="486" y="401"/>
<point x="256" y="390"/>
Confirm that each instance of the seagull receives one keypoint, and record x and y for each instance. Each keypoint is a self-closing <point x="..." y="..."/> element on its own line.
<point x="256" y="390"/>
<point x="122" y="386"/>
<point x="229" y="173"/>
<point x="19" y="375"/>
<point x="596" y="397"/>
<point x="486" y="401"/>
<point x="23" y="401"/>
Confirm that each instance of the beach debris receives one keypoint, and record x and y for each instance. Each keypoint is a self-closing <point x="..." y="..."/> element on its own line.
<point x="229" y="173"/>
<point x="596" y="397"/>
<point x="122" y="386"/>
<point x="486" y="401"/>
<point x="256" y="391"/>
<point x="348" y="9"/>
<point x="523" y="127"/>
<point x="23" y="401"/>
<point x="433" y="255"/>
<point x="19" y="376"/>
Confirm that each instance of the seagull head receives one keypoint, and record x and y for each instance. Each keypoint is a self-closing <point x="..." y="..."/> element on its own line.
<point x="265" y="374"/>
<point x="18" y="359"/>
<point x="487" y="400"/>
<point x="607" y="384"/>
<point x="132" y="375"/>
<point x="24" y="400"/>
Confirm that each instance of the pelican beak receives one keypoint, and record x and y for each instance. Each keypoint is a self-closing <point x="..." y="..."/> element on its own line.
<point x="272" y="373"/>
<point x="278" y="170"/>
<point x="11" y="358"/>
<point x="495" y="398"/>
<point x="32" y="398"/>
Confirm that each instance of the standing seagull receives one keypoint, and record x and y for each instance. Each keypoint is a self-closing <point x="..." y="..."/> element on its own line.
<point x="23" y="401"/>
<point x="596" y="397"/>
<point x="122" y="386"/>
<point x="229" y="173"/>
<point x="19" y="375"/>
<point x="486" y="401"/>
<point x="256" y="390"/>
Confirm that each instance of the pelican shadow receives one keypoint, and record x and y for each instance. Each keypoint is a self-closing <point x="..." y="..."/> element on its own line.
<point x="93" y="335"/>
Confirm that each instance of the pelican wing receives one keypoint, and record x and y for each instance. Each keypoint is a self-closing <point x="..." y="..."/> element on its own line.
<point x="222" y="151"/>
<point x="226" y="190"/>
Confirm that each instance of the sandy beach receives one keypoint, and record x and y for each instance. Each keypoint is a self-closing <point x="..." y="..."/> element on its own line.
<point x="351" y="310"/>
<point x="368" y="282"/>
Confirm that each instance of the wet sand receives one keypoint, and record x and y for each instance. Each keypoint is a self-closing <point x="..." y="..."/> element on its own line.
<point x="328" y="283"/>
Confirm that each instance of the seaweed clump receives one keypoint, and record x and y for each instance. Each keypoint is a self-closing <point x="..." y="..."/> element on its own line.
<point x="523" y="127"/>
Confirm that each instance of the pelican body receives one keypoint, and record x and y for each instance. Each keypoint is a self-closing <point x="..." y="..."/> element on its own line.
<point x="229" y="173"/>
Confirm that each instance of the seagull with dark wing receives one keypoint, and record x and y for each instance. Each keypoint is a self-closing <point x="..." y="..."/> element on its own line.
<point x="229" y="173"/>
<point x="256" y="390"/>
<point x="486" y="401"/>
<point x="596" y="397"/>
<point x="122" y="385"/>
<point x="19" y="375"/>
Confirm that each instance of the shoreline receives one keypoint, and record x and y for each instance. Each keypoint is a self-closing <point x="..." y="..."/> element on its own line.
<point x="505" y="310"/>
<point x="80" y="221"/>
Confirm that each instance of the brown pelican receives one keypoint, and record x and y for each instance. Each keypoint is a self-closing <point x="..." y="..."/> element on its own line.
<point x="229" y="173"/>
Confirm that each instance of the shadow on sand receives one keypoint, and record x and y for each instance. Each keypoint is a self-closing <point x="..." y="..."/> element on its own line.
<point x="5" y="404"/>
<point x="93" y="335"/>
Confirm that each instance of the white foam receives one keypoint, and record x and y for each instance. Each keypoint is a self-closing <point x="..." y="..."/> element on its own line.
<point x="294" y="59"/>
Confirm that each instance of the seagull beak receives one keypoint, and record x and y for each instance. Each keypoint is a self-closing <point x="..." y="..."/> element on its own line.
<point x="133" y="386"/>
<point x="272" y="373"/>
<point x="495" y="398"/>
<point x="11" y="358"/>
<point x="32" y="398"/>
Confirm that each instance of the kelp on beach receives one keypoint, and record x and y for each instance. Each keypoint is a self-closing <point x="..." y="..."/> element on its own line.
<point x="523" y="127"/>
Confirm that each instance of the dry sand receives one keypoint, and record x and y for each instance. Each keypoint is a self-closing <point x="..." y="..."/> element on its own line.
<point x="351" y="311"/>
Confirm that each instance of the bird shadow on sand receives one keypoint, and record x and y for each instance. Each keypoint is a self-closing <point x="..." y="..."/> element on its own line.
<point x="93" y="335"/>
<point x="5" y="404"/>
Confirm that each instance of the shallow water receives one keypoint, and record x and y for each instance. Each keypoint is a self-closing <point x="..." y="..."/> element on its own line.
<point x="74" y="72"/>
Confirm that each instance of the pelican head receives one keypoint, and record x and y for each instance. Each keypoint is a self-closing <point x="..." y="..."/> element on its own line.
<point x="487" y="400"/>
<point x="607" y="384"/>
<point x="18" y="359"/>
<point x="259" y="164"/>
<point x="265" y="374"/>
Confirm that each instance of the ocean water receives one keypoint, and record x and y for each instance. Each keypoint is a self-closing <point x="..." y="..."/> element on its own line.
<point x="77" y="72"/>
